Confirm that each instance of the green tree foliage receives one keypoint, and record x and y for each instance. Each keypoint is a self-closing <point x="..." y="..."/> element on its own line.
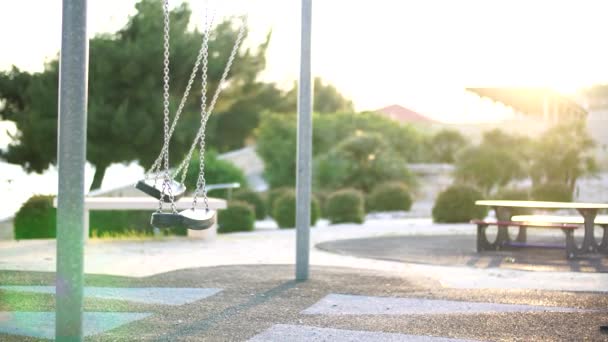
<point x="125" y="107"/>
<point x="276" y="140"/>
<point x="326" y="99"/>
<point x="217" y="171"/>
<point x="553" y="192"/>
<point x="487" y="167"/>
<point x="445" y="144"/>
<point x="562" y="155"/>
<point x="362" y="162"/>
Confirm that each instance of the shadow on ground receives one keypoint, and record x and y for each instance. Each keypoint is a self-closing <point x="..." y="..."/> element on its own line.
<point x="460" y="250"/>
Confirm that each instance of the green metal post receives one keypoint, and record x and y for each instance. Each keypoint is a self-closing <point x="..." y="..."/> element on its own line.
<point x="71" y="160"/>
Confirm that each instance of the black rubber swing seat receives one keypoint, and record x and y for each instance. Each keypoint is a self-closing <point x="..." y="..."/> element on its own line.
<point x="154" y="188"/>
<point x="197" y="219"/>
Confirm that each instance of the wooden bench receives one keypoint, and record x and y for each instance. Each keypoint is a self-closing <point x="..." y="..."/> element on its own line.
<point x="600" y="220"/>
<point x="147" y="203"/>
<point x="503" y="241"/>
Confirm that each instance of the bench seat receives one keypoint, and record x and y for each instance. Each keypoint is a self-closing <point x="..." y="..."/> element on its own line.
<point x="503" y="240"/>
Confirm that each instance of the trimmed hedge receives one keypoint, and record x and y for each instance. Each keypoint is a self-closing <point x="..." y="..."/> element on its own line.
<point x="457" y="204"/>
<point x="238" y="217"/>
<point x="555" y="192"/>
<point x="321" y="197"/>
<point x="345" y="205"/>
<point x="392" y="196"/>
<point x="285" y="210"/>
<point x="254" y="199"/>
<point x="36" y="219"/>
<point x="272" y="195"/>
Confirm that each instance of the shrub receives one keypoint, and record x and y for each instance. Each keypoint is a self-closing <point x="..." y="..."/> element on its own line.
<point x="254" y="199"/>
<point x="36" y="219"/>
<point x="392" y="196"/>
<point x="515" y="194"/>
<point x="217" y="171"/>
<point x="238" y="217"/>
<point x="285" y="210"/>
<point x="457" y="204"/>
<point x="122" y="222"/>
<point x="272" y="195"/>
<point x="555" y="192"/>
<point x="345" y="206"/>
<point x="362" y="162"/>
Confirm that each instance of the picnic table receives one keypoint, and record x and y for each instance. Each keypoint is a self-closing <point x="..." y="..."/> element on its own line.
<point x="588" y="212"/>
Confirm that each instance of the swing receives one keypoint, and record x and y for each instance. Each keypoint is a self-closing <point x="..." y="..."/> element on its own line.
<point x="169" y="190"/>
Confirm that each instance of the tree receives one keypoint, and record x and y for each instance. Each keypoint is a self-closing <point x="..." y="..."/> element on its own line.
<point x="487" y="167"/>
<point x="125" y="108"/>
<point x="326" y="99"/>
<point x="446" y="143"/>
<point x="563" y="154"/>
<point x="362" y="162"/>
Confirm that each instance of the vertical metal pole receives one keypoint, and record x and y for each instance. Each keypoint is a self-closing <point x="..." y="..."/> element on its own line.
<point x="304" y="163"/>
<point x="71" y="161"/>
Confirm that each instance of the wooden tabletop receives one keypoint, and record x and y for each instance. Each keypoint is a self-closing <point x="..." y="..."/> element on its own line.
<point x="542" y="205"/>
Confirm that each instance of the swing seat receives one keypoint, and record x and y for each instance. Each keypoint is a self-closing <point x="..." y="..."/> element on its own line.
<point x="155" y="188"/>
<point x="197" y="219"/>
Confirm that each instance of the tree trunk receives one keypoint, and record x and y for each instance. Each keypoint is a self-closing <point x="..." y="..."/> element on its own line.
<point x="100" y="171"/>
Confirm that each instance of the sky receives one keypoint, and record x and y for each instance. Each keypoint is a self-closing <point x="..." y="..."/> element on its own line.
<point x="421" y="54"/>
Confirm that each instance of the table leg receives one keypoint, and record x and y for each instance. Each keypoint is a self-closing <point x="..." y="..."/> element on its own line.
<point x="603" y="247"/>
<point x="589" y="244"/>
<point x="502" y="214"/>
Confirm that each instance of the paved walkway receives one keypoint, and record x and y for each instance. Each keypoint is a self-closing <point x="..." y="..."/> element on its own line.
<point x="240" y="287"/>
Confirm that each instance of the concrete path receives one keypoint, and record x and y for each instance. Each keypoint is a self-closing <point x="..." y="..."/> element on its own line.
<point x="271" y="246"/>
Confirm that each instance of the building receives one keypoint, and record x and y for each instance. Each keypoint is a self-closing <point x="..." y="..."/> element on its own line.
<point x="403" y="115"/>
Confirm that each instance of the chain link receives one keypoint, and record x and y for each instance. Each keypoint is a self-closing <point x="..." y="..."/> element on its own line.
<point x="166" y="188"/>
<point x="155" y="168"/>
<point x="201" y="183"/>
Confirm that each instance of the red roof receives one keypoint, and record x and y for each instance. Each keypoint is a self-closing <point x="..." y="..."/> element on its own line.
<point x="402" y="114"/>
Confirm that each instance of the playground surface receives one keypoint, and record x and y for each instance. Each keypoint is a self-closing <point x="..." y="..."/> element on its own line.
<point x="241" y="288"/>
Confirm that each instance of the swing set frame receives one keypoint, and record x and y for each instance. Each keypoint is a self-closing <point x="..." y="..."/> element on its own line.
<point x="71" y="159"/>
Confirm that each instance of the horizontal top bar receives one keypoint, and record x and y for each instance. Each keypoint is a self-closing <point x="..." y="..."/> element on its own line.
<point x="542" y="205"/>
<point x="142" y="203"/>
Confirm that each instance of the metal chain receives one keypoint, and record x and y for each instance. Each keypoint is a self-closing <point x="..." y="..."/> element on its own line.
<point x="166" y="188"/>
<point x="201" y="183"/>
<point x="183" y="167"/>
<point x="155" y="168"/>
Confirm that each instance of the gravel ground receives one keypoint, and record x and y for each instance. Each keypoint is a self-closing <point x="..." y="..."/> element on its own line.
<point x="257" y="297"/>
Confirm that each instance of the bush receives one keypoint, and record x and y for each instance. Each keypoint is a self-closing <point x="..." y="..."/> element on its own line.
<point x="515" y="194"/>
<point x="457" y="204"/>
<point x="254" y="199"/>
<point x="123" y="222"/>
<point x="36" y="219"/>
<point x="238" y="217"/>
<point x="554" y="192"/>
<point x="285" y="210"/>
<point x="345" y="206"/>
<point x="272" y="195"/>
<point x="217" y="171"/>
<point x="392" y="196"/>
<point x="362" y="162"/>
